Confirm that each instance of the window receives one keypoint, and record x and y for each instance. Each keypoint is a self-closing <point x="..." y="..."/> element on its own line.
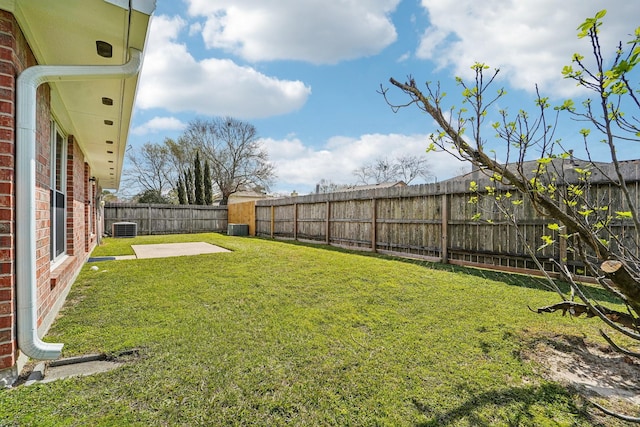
<point x="58" y="192"/>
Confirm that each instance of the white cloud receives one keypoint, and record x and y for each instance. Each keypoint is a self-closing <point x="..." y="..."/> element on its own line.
<point x="195" y="29"/>
<point x="174" y="80"/>
<point x="316" y="31"/>
<point x="159" y="124"/>
<point x="529" y="40"/>
<point x="405" y="56"/>
<point x="300" y="167"/>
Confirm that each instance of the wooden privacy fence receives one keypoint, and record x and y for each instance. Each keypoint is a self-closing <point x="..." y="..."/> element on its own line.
<point x="243" y="213"/>
<point x="431" y="221"/>
<point x="167" y="219"/>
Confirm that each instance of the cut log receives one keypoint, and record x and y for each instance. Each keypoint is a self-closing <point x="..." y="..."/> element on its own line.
<point x="611" y="266"/>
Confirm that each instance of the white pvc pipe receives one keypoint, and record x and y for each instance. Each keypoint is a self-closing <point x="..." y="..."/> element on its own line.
<point x="26" y="285"/>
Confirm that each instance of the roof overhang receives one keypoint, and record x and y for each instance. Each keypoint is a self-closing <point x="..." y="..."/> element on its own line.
<point x="65" y="32"/>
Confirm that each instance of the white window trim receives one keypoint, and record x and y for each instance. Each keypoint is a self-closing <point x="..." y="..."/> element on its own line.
<point x="55" y="130"/>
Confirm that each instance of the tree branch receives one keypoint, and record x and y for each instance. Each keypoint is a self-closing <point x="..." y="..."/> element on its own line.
<point x="617" y="348"/>
<point x="617" y="415"/>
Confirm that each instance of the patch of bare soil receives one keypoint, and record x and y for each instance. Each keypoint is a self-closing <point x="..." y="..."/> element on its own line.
<point x="594" y="371"/>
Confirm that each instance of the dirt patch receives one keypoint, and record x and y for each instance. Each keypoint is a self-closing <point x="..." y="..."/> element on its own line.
<point x="595" y="371"/>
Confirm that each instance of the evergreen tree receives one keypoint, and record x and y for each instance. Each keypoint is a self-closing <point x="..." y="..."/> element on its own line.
<point x="188" y="185"/>
<point x="182" y="197"/>
<point x="208" y="184"/>
<point x="197" y="179"/>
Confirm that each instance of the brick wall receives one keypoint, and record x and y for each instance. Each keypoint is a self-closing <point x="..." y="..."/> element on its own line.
<point x="7" y="190"/>
<point x="52" y="283"/>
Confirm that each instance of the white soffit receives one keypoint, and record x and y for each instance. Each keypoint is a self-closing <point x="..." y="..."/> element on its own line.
<point x="64" y="32"/>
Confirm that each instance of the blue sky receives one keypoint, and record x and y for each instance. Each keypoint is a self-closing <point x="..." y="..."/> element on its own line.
<point x="306" y="72"/>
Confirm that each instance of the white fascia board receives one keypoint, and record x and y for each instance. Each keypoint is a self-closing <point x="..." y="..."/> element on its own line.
<point x="143" y="6"/>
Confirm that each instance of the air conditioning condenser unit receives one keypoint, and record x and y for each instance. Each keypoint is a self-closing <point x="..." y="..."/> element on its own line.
<point x="124" y="229"/>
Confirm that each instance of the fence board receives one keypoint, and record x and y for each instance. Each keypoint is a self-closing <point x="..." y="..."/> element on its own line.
<point x="243" y="213"/>
<point x="408" y="221"/>
<point x="167" y="219"/>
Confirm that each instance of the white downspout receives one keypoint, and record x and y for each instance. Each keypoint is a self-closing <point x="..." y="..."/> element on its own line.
<point x="26" y="285"/>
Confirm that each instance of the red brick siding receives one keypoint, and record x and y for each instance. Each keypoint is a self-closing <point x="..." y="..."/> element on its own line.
<point x="15" y="56"/>
<point x="78" y="206"/>
<point x="7" y="193"/>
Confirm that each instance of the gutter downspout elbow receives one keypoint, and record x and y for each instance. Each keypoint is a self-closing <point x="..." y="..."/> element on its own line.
<point x="26" y="284"/>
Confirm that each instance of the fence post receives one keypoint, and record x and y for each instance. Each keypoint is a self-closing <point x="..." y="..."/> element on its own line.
<point x="149" y="217"/>
<point x="273" y="221"/>
<point x="327" y="225"/>
<point x="374" y="228"/>
<point x="444" y="244"/>
<point x="295" y="221"/>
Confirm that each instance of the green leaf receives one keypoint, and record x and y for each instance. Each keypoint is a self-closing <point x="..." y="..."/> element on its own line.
<point x="547" y="240"/>
<point x="567" y="70"/>
<point x="544" y="160"/>
<point x="542" y="102"/>
<point x="567" y="105"/>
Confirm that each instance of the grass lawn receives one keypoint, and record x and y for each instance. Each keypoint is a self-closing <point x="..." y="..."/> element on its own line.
<point x="277" y="333"/>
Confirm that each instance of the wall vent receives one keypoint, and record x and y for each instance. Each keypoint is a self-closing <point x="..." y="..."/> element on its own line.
<point x="124" y="229"/>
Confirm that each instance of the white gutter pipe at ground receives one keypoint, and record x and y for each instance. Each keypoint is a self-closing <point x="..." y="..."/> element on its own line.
<point x="26" y="285"/>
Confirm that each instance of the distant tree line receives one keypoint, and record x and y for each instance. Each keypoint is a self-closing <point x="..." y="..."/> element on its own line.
<point x="383" y="170"/>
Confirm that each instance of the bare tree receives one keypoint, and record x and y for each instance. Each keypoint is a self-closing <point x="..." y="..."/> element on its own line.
<point x="236" y="158"/>
<point x="182" y="153"/>
<point x="328" y="186"/>
<point x="150" y="170"/>
<point x="602" y="234"/>
<point x="412" y="167"/>
<point x="405" y="168"/>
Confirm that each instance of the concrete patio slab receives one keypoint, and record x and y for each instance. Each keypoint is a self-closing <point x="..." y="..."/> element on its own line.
<point x="175" y="249"/>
